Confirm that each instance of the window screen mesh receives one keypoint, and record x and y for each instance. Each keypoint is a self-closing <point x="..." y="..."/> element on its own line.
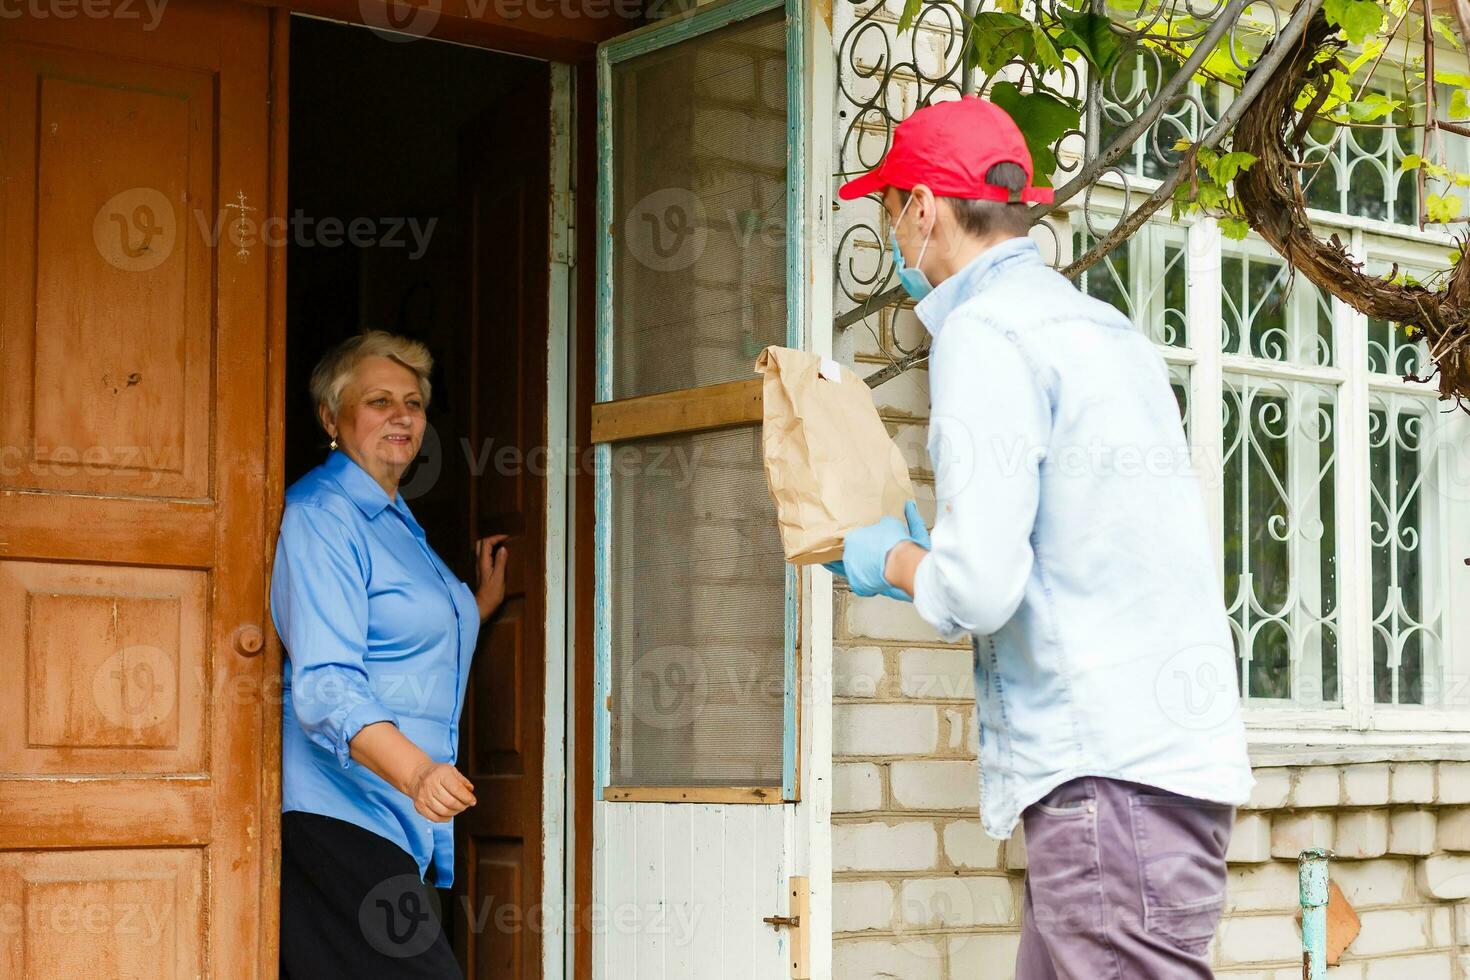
<point x="698" y="613"/>
<point x="699" y="208"/>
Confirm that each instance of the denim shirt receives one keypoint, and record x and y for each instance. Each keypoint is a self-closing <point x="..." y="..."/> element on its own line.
<point x="1071" y="545"/>
<point x="376" y="628"/>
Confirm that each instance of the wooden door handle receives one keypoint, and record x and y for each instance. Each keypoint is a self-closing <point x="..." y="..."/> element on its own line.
<point x="249" y="640"/>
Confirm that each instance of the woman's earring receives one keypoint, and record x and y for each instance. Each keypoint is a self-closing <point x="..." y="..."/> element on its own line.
<point x="334" y="442"/>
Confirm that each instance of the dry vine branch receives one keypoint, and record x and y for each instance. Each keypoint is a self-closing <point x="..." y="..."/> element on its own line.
<point x="1271" y="196"/>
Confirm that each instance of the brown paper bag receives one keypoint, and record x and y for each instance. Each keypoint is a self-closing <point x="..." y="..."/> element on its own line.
<point x="830" y="465"/>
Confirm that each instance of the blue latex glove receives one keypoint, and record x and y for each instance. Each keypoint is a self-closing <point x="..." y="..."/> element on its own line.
<point x="865" y="552"/>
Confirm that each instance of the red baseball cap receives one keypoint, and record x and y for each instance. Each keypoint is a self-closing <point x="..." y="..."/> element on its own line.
<point x="949" y="147"/>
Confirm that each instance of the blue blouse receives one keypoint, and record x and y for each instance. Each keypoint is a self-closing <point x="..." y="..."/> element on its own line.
<point x="376" y="628"/>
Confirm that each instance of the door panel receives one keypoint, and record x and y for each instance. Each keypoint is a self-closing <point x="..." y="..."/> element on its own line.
<point x="686" y="887"/>
<point x="149" y="898"/>
<point x="132" y="463"/>
<point x="505" y="186"/>
<point x="114" y="671"/>
<point x="701" y="196"/>
<point x="116" y="159"/>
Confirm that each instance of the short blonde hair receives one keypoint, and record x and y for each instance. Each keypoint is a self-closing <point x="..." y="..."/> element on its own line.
<point x="334" y="371"/>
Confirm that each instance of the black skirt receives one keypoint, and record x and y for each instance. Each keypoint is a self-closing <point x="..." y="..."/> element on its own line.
<point x="353" y="906"/>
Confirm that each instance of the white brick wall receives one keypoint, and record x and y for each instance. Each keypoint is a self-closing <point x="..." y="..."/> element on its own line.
<point x="922" y="893"/>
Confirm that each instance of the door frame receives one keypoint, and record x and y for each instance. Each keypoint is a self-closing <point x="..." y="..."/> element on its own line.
<point x="571" y="45"/>
<point x="813" y="103"/>
<point x="565" y="834"/>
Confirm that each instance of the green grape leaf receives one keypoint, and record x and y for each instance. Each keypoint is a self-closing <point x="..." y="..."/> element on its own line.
<point x="1042" y="119"/>
<point x="1459" y="106"/>
<point x="997" y="37"/>
<point x="1234" y="229"/>
<point x="1375" y="105"/>
<point x="1443" y="29"/>
<point x="910" y="13"/>
<point x="1360" y="19"/>
<point x="1232" y="164"/>
<point x="1442" y="209"/>
<point x="1211" y="196"/>
<point x="1092" y="35"/>
<point x="1045" y="49"/>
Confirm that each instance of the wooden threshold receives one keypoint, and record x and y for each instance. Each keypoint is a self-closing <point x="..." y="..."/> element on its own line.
<point x="690" y="410"/>
<point x="693" y="794"/>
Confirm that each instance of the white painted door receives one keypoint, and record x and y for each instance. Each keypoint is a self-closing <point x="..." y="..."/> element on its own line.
<point x="712" y="759"/>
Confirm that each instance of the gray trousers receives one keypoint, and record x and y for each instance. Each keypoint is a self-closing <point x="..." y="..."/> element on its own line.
<point x="1123" y="882"/>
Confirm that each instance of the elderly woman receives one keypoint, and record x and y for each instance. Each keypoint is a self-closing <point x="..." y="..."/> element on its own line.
<point x="379" y="634"/>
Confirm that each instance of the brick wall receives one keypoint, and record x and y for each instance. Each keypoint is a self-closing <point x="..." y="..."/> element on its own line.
<point x="921" y="893"/>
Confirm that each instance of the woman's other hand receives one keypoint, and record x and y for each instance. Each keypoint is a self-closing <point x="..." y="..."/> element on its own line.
<point x="440" y="791"/>
<point x="491" y="557"/>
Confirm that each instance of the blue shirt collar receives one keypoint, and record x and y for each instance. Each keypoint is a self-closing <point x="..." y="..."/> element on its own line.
<point x="935" y="308"/>
<point x="364" y="491"/>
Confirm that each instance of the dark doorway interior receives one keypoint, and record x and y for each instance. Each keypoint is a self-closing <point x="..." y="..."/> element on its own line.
<point x="375" y="139"/>
<point x="418" y="200"/>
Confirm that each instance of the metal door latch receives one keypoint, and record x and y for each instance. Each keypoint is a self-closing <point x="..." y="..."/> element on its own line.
<point x="800" y="914"/>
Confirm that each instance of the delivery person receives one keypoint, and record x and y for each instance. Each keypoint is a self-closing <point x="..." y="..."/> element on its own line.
<point x="1071" y="547"/>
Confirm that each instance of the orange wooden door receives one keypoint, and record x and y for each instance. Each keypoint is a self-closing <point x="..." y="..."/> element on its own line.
<point x="506" y="187"/>
<point x="132" y="492"/>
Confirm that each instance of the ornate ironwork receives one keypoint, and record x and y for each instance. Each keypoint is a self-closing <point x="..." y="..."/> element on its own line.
<point x="1146" y="100"/>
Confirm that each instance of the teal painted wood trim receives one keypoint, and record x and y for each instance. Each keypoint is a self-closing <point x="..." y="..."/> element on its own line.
<point x="798" y="247"/>
<point x="791" y="743"/>
<point x="797" y="262"/>
<point x="602" y="619"/>
<point x="603" y="230"/>
<point x="692" y="23"/>
<point x="602" y="478"/>
<point x="1312" y="882"/>
<point x="642" y="41"/>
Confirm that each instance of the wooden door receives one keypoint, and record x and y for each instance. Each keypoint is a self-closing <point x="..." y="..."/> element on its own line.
<point x="132" y="503"/>
<point x="705" y="257"/>
<point x="505" y="168"/>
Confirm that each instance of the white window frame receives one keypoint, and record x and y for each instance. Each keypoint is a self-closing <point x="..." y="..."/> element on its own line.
<point x="1358" y="720"/>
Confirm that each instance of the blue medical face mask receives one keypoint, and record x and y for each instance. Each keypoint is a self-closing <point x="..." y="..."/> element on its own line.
<point x="913" y="280"/>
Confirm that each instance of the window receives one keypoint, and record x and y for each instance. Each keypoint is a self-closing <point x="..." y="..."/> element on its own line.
<point x="695" y="608"/>
<point x="1145" y="277"/>
<point x="1338" y="481"/>
<point x="1406" y="528"/>
<point x="1333" y="478"/>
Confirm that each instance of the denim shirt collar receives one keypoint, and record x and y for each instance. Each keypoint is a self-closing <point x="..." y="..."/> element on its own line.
<point x="364" y="491"/>
<point x="935" y="308"/>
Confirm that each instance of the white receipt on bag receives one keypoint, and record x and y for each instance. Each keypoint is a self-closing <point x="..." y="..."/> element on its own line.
<point x="829" y="370"/>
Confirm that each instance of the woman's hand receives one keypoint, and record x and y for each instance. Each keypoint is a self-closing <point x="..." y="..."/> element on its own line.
<point x="439" y="791"/>
<point x="491" y="557"/>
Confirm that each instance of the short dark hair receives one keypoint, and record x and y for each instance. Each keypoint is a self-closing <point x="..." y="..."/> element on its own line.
<point x="985" y="219"/>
